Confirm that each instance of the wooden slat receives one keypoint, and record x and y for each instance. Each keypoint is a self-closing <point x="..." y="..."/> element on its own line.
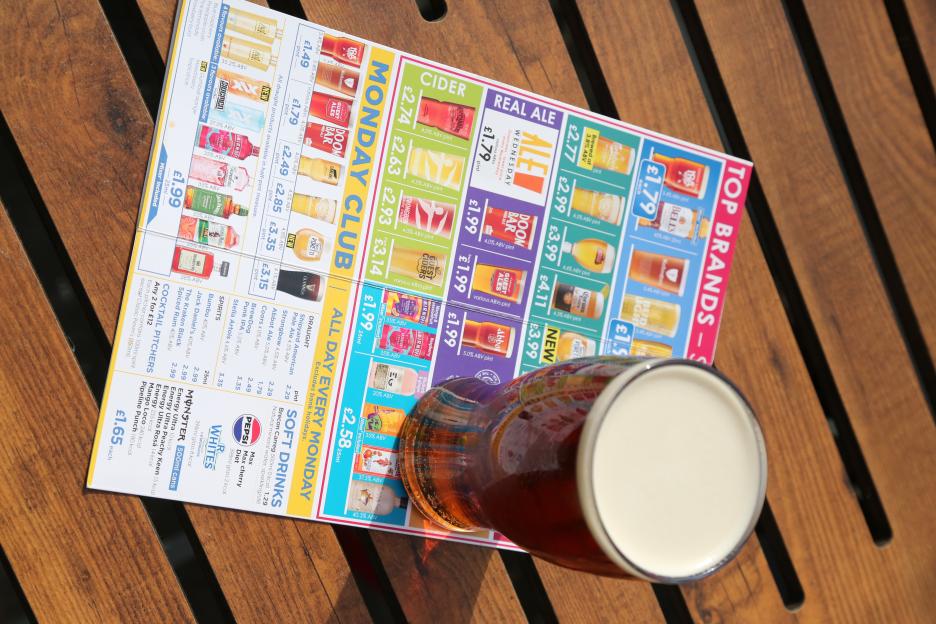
<point x="886" y="125"/>
<point x="99" y="129"/>
<point x="923" y="18"/>
<point x="79" y="556"/>
<point x="159" y="16"/>
<point x="517" y="43"/>
<point x="829" y="253"/>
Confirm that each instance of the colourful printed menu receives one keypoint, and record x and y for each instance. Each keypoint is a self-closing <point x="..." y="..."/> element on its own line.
<point x="329" y="226"/>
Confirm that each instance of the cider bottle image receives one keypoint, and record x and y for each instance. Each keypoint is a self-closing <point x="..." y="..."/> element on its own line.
<point x="406" y="341"/>
<point x="683" y="175"/>
<point x="210" y="202"/>
<point x="226" y="143"/>
<point x="331" y="139"/>
<point x="488" y="337"/>
<point x="650" y="348"/>
<point x="664" y="272"/>
<point x="258" y="26"/>
<point x="454" y="119"/>
<point x="592" y="254"/>
<point x="307" y="244"/>
<point x="232" y="82"/>
<point x="572" y="345"/>
<point x="423" y="266"/>
<point x="320" y="170"/>
<point x="397" y="379"/>
<point x="434" y="166"/>
<point x="331" y="108"/>
<point x="377" y="461"/>
<point x="378" y="499"/>
<point x="678" y="221"/>
<point x="501" y="282"/>
<point x="320" y="208"/>
<point x="301" y="284"/>
<point x="343" y="49"/>
<point x="339" y="78"/>
<point x="578" y="301"/>
<point x="653" y="315"/>
<point x="207" y="232"/>
<point x="250" y="53"/>
<point x="420" y="310"/>
<point x="212" y="171"/>
<point x="612" y="156"/>
<point x="604" y="206"/>
<point x="197" y="263"/>
<point x="382" y="419"/>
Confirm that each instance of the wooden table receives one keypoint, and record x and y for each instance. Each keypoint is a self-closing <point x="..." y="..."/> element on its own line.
<point x="829" y="328"/>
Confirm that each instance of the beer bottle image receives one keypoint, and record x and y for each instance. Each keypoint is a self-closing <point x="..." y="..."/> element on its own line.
<point x="454" y="119"/>
<point x="210" y="202"/>
<point x="343" y="49"/>
<point x="488" y="337"/>
<point x="301" y="284"/>
<point x="683" y="175"/>
<point x="650" y="348"/>
<point x="501" y="282"/>
<point x="663" y="272"/>
<point x="260" y="27"/>
<point x="207" y="232"/>
<point x="335" y="77"/>
<point x="678" y="221"/>
<point x="420" y="265"/>
<point x="320" y="170"/>
<point x="603" y="206"/>
<point x="435" y="166"/>
<point x="578" y="301"/>
<point x="573" y="345"/>
<point x="226" y="143"/>
<point x="250" y="53"/>
<point x="653" y="315"/>
<point x="331" y="108"/>
<point x="319" y="208"/>
<point x="397" y="379"/>
<point x="374" y="498"/>
<point x="592" y="254"/>
<point x="383" y="419"/>
<point x="307" y="244"/>
<point x="197" y="263"/>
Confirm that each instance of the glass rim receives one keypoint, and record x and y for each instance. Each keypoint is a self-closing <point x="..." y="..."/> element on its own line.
<point x="585" y="469"/>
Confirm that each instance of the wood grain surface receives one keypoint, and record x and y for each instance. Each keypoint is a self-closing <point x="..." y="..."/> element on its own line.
<point x="923" y="17"/>
<point x="97" y="122"/>
<point x="886" y="125"/>
<point x="80" y="556"/>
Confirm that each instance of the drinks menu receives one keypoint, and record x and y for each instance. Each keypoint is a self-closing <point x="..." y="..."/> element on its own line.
<point x="330" y="226"/>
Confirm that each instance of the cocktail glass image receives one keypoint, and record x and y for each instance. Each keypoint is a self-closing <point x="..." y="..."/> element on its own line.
<point x="648" y="468"/>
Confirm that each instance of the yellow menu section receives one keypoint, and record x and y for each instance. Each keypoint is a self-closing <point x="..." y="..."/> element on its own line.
<point x="340" y="283"/>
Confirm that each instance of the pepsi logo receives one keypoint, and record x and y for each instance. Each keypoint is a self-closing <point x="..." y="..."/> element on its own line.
<point x="246" y="429"/>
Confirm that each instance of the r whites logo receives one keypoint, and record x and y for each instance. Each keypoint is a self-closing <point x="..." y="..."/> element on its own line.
<point x="213" y="448"/>
<point x="246" y="430"/>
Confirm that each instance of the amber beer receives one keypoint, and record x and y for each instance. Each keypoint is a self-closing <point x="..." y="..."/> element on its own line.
<point x="647" y="468"/>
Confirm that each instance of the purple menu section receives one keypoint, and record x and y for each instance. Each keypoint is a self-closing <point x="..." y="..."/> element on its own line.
<point x="500" y="224"/>
<point x="492" y="281"/>
<point x="522" y="108"/>
<point x="461" y="355"/>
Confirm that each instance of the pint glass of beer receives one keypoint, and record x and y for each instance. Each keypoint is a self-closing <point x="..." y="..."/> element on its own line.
<point x="649" y="468"/>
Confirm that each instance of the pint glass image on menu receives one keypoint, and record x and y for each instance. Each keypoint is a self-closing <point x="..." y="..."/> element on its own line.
<point x="376" y="461"/>
<point x="573" y="345"/>
<point x="603" y="206"/>
<point x="331" y="139"/>
<point x="578" y="301"/>
<point x="488" y="337"/>
<point x="260" y="27"/>
<point x="320" y="170"/>
<point x="197" y="263"/>
<point x="435" y="166"/>
<point x="501" y="282"/>
<point x="663" y="272"/>
<point x="423" y="266"/>
<point x="683" y="175"/>
<point x="231" y="82"/>
<point x="600" y="152"/>
<point x="341" y="79"/>
<point x="252" y="53"/>
<point x="331" y="108"/>
<point x="511" y="227"/>
<point x="343" y="49"/>
<point x="405" y="341"/>
<point x="653" y="315"/>
<point x="373" y="498"/>
<point x="218" y="173"/>
<point x="678" y="221"/>
<point x="428" y="215"/>
<point x="382" y="419"/>
<point x="650" y="348"/>
<point x="396" y="379"/>
<point x="307" y="244"/>
<point x="320" y="208"/>
<point x="301" y="284"/>
<point x="592" y="254"/>
<point x="411" y="307"/>
<point x="213" y="203"/>
<point x="226" y="143"/>
<point x="599" y="464"/>
<point x="451" y="118"/>
<point x="207" y="232"/>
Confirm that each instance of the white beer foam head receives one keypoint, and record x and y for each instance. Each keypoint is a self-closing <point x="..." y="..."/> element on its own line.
<point x="672" y="471"/>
